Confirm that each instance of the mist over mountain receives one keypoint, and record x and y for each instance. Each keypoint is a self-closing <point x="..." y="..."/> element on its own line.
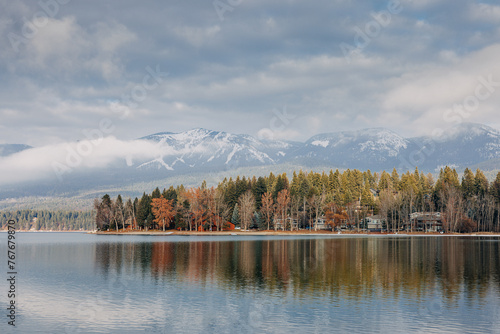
<point x="376" y="149"/>
<point x="206" y="149"/>
<point x="206" y="154"/>
<point x="8" y="149"/>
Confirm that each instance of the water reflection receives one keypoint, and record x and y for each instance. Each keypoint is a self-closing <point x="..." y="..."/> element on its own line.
<point x="349" y="268"/>
<point x="73" y="283"/>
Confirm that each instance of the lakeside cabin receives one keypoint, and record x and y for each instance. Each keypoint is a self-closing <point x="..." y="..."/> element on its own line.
<point x="321" y="224"/>
<point x="420" y="221"/>
<point x="374" y="223"/>
<point x="427" y="221"/>
<point x="289" y="223"/>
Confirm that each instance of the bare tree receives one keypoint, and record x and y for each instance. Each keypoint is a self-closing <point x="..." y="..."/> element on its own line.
<point x="385" y="204"/>
<point x="317" y="203"/>
<point x="246" y="208"/>
<point x="129" y="213"/>
<point x="117" y="212"/>
<point x="217" y="209"/>
<point x="267" y="208"/>
<point x="282" y="206"/>
<point x="295" y="209"/>
<point x="454" y="207"/>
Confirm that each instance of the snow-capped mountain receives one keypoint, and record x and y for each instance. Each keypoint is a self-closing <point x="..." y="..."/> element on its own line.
<point x="463" y="145"/>
<point x="201" y="149"/>
<point x="354" y="149"/>
<point x="209" y="154"/>
<point x="378" y="148"/>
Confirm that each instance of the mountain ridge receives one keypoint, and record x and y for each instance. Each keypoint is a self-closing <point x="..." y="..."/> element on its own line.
<point x="202" y="150"/>
<point x="208" y="154"/>
<point x="375" y="148"/>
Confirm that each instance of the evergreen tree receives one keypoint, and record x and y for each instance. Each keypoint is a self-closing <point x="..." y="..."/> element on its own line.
<point x="258" y="222"/>
<point x="281" y="184"/>
<point x="156" y="193"/>
<point x="495" y="188"/>
<point x="367" y="199"/>
<point x="144" y="211"/>
<point x="395" y="179"/>
<point x="481" y="184"/>
<point x="334" y="181"/>
<point x="258" y="189"/>
<point x="468" y="183"/>
<point x="235" y="219"/>
<point x="385" y="181"/>
<point x="170" y="194"/>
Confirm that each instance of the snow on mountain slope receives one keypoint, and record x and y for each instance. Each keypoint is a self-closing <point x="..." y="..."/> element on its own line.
<point x="213" y="149"/>
<point x="375" y="148"/>
<point x="204" y="152"/>
<point x="464" y="145"/>
<point x="353" y="148"/>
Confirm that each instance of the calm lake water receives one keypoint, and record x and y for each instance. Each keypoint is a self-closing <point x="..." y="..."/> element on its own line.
<point x="73" y="282"/>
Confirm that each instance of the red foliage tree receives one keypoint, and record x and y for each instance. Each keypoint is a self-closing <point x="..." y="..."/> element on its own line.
<point x="163" y="210"/>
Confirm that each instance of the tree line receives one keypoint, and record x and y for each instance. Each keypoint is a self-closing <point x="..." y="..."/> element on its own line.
<point x="344" y="199"/>
<point x="49" y="220"/>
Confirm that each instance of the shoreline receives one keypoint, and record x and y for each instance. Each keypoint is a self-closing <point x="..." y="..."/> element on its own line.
<point x="290" y="233"/>
<point x="273" y="233"/>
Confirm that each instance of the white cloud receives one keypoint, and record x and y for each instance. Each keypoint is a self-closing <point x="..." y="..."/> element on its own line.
<point x="197" y="36"/>
<point x="229" y="75"/>
<point x="432" y="90"/>
<point x="483" y="12"/>
<point x="62" y="47"/>
<point x="47" y="162"/>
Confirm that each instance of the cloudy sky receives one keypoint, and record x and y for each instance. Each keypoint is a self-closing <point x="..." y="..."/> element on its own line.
<point x="296" y="68"/>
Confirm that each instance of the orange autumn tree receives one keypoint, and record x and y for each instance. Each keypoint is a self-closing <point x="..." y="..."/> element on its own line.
<point x="163" y="210"/>
<point x="197" y="202"/>
<point x="334" y="215"/>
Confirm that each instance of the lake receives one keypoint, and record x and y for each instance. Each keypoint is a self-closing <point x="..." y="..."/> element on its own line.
<point x="80" y="283"/>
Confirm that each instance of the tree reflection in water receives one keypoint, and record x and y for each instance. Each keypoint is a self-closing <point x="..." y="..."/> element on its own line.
<point x="352" y="268"/>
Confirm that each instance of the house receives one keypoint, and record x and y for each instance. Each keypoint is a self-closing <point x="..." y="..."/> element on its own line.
<point x="374" y="223"/>
<point x="289" y="222"/>
<point x="226" y="226"/>
<point x="426" y="221"/>
<point x="321" y="224"/>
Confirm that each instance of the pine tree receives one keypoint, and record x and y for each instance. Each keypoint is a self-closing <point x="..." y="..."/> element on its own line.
<point x="170" y="194"/>
<point x="495" y="188"/>
<point x="334" y="181"/>
<point x="235" y="219"/>
<point x="468" y="183"/>
<point x="144" y="211"/>
<point x="481" y="183"/>
<point x="258" y="189"/>
<point x="156" y="193"/>
<point x="395" y="179"/>
<point x="385" y="181"/>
